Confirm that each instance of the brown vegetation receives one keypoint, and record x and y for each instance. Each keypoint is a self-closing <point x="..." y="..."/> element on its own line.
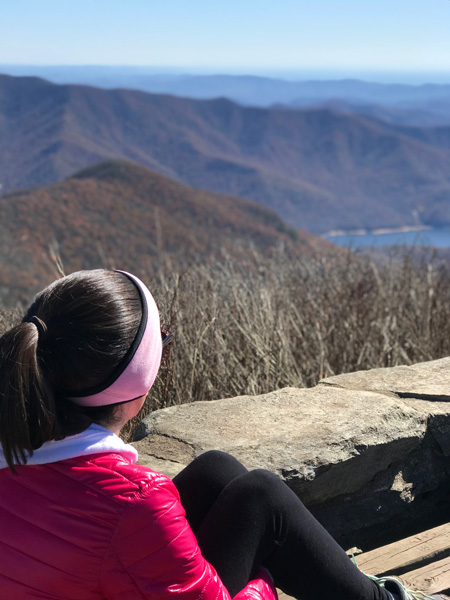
<point x="318" y="169"/>
<point x="290" y="324"/>
<point x="284" y="323"/>
<point x="122" y="215"/>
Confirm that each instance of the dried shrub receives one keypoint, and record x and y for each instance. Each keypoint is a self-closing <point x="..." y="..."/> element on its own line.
<point x="277" y="323"/>
<point x="269" y="323"/>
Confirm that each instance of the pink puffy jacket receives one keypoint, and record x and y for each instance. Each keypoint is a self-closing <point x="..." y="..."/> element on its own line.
<point x="99" y="527"/>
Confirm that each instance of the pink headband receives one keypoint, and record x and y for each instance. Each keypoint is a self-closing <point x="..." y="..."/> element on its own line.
<point x="137" y="371"/>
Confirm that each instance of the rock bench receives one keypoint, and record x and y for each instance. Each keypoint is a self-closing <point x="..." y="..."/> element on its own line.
<point x="367" y="452"/>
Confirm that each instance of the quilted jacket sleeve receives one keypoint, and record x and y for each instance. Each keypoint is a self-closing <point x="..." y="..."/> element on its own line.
<point x="154" y="554"/>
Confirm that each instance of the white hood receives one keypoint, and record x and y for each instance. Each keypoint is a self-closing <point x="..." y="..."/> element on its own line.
<point x="94" y="440"/>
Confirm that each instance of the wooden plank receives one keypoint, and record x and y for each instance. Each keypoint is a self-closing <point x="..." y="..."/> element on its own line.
<point x="430" y="579"/>
<point x="410" y="551"/>
<point x="283" y="596"/>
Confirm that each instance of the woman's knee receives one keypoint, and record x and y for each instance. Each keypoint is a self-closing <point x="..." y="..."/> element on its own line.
<point x="211" y="471"/>
<point x="260" y="483"/>
<point x="216" y="456"/>
<point x="264" y="487"/>
<point x="263" y="479"/>
<point x="219" y="460"/>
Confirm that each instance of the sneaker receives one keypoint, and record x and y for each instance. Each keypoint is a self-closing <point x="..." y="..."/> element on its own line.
<point x="394" y="585"/>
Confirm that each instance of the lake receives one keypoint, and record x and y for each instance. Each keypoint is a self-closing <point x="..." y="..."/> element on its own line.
<point x="438" y="238"/>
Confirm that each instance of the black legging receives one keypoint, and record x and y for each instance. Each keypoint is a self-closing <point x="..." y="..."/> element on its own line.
<point x="243" y="519"/>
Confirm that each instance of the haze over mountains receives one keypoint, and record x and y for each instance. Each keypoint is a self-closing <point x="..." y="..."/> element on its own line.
<point x="118" y="214"/>
<point x="319" y="169"/>
<point x="427" y="104"/>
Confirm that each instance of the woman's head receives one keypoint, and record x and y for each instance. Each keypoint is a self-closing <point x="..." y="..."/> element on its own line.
<point x="77" y="338"/>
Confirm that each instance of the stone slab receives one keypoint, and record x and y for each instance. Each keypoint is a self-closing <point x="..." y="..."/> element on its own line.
<point x="427" y="380"/>
<point x="323" y="441"/>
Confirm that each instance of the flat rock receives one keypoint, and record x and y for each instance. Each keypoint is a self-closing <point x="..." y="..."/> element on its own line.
<point x="423" y="386"/>
<point x="321" y="435"/>
<point x="428" y="380"/>
<point x="367" y="452"/>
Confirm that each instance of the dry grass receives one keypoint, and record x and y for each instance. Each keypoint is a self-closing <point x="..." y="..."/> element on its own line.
<point x="274" y="323"/>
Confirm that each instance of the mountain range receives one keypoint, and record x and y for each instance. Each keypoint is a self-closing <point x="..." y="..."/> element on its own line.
<point x="320" y="170"/>
<point x="416" y="101"/>
<point x="433" y="114"/>
<point x="122" y="215"/>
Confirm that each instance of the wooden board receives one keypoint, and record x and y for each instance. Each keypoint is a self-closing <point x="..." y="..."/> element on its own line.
<point x="283" y="596"/>
<point x="410" y="551"/>
<point x="431" y="579"/>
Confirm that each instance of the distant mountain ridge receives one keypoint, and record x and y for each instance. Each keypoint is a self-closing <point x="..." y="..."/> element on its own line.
<point x="320" y="170"/>
<point x="250" y="90"/>
<point x="119" y="214"/>
<point x="413" y="116"/>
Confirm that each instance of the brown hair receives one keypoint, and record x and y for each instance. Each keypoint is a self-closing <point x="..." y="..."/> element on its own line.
<point x="81" y="327"/>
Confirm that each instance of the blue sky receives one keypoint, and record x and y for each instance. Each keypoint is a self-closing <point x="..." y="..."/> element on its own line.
<point x="229" y="34"/>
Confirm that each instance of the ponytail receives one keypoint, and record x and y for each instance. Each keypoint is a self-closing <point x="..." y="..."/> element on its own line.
<point x="73" y="337"/>
<point x="26" y="400"/>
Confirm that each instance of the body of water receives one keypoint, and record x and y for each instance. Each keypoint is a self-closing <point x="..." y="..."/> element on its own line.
<point x="438" y="238"/>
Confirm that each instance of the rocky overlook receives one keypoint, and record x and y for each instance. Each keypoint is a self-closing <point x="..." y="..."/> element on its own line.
<point x="367" y="452"/>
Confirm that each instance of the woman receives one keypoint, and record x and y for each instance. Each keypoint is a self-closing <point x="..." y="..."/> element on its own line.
<point x="80" y="520"/>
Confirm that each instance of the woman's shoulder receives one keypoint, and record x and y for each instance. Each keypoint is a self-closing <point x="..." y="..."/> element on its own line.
<point x="103" y="479"/>
<point x="114" y="476"/>
<point x="93" y="465"/>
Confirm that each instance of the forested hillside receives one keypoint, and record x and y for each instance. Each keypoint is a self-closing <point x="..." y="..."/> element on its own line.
<point x="122" y="215"/>
<point x="319" y="169"/>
